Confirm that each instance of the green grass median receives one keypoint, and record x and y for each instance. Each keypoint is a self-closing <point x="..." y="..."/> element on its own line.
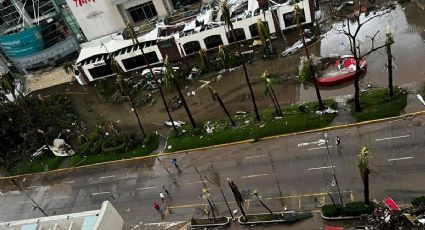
<point x="376" y="104"/>
<point x="44" y="163"/>
<point x="296" y="118"/>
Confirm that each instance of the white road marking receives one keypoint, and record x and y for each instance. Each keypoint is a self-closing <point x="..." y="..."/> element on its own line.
<point x="105" y="177"/>
<point x="69" y="182"/>
<point x="146" y="188"/>
<point x="399" y="159"/>
<point x="99" y="193"/>
<point x="60" y="197"/>
<point x="197" y="182"/>
<point x="251" y="176"/>
<point x="324" y="147"/>
<point x="318" y="142"/>
<point x="251" y="157"/>
<point x="389" y="138"/>
<point x="34" y="186"/>
<point x="24" y="202"/>
<point x="327" y="167"/>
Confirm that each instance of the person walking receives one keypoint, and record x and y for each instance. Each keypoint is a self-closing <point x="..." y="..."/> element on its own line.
<point x="174" y="163"/>
<point x="161" y="195"/>
<point x="338" y="142"/>
<point x="156" y="206"/>
<point x="166" y="191"/>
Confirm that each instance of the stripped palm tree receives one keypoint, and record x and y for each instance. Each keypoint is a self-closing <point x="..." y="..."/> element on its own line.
<point x="135" y="41"/>
<point x="171" y="78"/>
<point x="389" y="42"/>
<point x="116" y="68"/>
<point x="298" y="17"/>
<point x="216" y="97"/>
<point x="205" y="64"/>
<point x="225" y="57"/>
<point x="255" y="193"/>
<point x="225" y="11"/>
<point x="364" y="171"/>
<point x="268" y="90"/>
<point x="206" y="196"/>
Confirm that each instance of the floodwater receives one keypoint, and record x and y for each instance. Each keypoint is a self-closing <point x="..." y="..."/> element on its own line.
<point x="407" y="24"/>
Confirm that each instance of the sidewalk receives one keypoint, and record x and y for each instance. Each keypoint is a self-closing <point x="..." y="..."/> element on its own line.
<point x="47" y="78"/>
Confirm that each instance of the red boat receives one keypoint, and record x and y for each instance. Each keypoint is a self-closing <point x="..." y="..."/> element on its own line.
<point x="342" y="70"/>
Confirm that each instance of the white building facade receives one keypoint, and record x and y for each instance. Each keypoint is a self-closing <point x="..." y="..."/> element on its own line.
<point x="103" y="17"/>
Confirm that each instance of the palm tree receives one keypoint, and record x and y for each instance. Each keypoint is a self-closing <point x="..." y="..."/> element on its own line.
<point x="68" y="67"/>
<point x="225" y="11"/>
<point x="116" y="68"/>
<point x="216" y="97"/>
<point x="206" y="196"/>
<point x="205" y="64"/>
<point x="170" y="78"/>
<point x="268" y="89"/>
<point x="264" y="35"/>
<point x="364" y="171"/>
<point x="389" y="41"/>
<point x="297" y="12"/>
<point x="255" y="193"/>
<point x="226" y="59"/>
<point x="135" y="40"/>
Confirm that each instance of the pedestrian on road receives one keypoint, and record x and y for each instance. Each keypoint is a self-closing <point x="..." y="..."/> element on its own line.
<point x="174" y="163"/>
<point x="166" y="191"/>
<point x="155" y="206"/>
<point x="338" y="141"/>
<point x="162" y="197"/>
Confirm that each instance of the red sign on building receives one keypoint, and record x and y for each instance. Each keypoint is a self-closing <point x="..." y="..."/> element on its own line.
<point x="81" y="2"/>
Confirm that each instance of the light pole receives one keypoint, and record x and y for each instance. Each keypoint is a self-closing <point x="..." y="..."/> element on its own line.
<point x="325" y="135"/>
<point x="21" y="188"/>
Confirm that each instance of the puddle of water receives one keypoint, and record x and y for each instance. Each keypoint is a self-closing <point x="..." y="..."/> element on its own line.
<point x="408" y="24"/>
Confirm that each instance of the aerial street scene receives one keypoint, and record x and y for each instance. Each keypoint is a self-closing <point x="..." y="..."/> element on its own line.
<point x="212" y="114"/>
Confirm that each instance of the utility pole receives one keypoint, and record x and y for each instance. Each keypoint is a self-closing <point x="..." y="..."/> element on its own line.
<point x="325" y="135"/>
<point x="19" y="186"/>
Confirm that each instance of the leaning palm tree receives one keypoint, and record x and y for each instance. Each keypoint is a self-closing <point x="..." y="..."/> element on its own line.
<point x="116" y="68"/>
<point x="206" y="196"/>
<point x="389" y="42"/>
<point x="255" y="193"/>
<point x="216" y="97"/>
<point x="134" y="39"/>
<point x="298" y="17"/>
<point x="268" y="90"/>
<point x="364" y="171"/>
<point x="225" y="11"/>
<point x="171" y="78"/>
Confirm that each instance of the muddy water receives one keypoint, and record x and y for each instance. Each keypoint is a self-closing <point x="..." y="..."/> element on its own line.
<point x="407" y="23"/>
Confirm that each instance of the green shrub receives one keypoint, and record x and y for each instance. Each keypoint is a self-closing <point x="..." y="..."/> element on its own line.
<point x="357" y="209"/>
<point x="331" y="210"/>
<point x="302" y="108"/>
<point x="419" y="202"/>
<point x="305" y="73"/>
<point x="350" y="209"/>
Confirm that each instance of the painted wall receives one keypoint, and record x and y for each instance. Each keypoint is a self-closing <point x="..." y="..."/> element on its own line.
<point x="108" y="218"/>
<point x="97" y="18"/>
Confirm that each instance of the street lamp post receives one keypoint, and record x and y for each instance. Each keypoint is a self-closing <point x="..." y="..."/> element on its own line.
<point x="325" y="135"/>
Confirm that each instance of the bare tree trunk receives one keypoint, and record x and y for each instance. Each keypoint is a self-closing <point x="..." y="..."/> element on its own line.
<point x="189" y="114"/>
<point x="251" y="92"/>
<point x="390" y="71"/>
<point x="357" y="86"/>
<point x="125" y="91"/>
<point x="265" y="206"/>
<point x="225" y="200"/>
<point x="225" y="109"/>
<point x="212" y="209"/>
<point x="277" y="101"/>
<point x="366" y="186"/>
<point x="274" y="103"/>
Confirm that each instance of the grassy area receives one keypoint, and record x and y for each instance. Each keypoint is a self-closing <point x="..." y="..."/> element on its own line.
<point x="287" y="217"/>
<point x="41" y="164"/>
<point x="375" y="104"/>
<point x="350" y="209"/>
<point x="142" y="150"/>
<point x="296" y="118"/>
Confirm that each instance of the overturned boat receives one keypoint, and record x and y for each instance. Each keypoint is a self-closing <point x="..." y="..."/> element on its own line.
<point x="342" y="70"/>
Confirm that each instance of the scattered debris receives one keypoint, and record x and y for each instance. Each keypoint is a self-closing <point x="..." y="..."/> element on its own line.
<point x="176" y="123"/>
<point x="328" y="110"/>
<point x="240" y="113"/>
<point x="420" y="98"/>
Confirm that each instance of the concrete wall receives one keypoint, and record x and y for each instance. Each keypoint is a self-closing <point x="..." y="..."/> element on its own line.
<point x="108" y="218"/>
<point x="97" y="19"/>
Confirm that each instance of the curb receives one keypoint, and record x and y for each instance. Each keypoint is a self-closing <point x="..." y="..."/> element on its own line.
<point x="226" y="224"/>
<point x="339" y="217"/>
<point x="224" y="145"/>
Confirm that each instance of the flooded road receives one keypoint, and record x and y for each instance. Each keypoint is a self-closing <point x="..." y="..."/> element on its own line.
<point x="407" y="24"/>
